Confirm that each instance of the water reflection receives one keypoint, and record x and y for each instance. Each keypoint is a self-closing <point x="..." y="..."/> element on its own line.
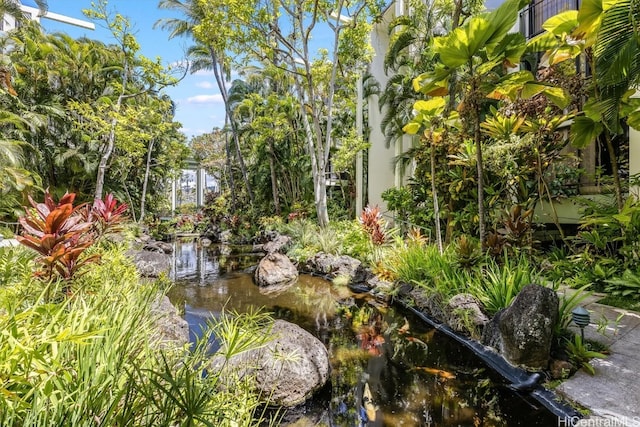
<point x="201" y="265"/>
<point x="388" y="369"/>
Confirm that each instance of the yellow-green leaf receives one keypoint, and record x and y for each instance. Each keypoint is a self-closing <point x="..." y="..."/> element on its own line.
<point x="562" y="23"/>
<point x="430" y="107"/>
<point x="411" y="128"/>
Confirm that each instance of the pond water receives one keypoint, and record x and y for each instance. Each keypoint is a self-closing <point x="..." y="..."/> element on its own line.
<point x="414" y="375"/>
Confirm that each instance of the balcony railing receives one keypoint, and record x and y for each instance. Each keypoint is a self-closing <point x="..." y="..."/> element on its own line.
<point x="533" y="16"/>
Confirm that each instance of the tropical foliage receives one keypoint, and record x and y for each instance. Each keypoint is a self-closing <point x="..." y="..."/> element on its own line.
<point x="63" y="126"/>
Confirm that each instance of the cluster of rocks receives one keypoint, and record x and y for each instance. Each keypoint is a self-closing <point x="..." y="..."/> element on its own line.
<point x="287" y="370"/>
<point x="521" y="333"/>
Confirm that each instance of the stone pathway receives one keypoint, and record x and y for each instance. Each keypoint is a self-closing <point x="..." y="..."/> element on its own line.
<point x="612" y="395"/>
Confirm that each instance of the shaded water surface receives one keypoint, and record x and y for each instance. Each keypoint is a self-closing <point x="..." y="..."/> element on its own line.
<point x="414" y="375"/>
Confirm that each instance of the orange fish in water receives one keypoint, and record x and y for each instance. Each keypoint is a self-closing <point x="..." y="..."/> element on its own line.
<point x="437" y="372"/>
<point x="404" y="328"/>
<point x="417" y="341"/>
<point x="367" y="401"/>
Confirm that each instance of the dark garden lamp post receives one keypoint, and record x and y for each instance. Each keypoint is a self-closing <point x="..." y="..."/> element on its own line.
<point x="581" y="317"/>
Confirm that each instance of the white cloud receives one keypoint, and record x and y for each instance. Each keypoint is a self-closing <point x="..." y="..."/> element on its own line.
<point x="193" y="132"/>
<point x="205" y="99"/>
<point x="204" y="73"/>
<point x="205" y="85"/>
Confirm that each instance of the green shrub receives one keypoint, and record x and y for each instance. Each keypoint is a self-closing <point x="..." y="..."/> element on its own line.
<point x="6" y="232"/>
<point x="409" y="261"/>
<point x="580" y="353"/>
<point x="569" y="300"/>
<point x="414" y="261"/>
<point x="355" y="241"/>
<point x="628" y="285"/>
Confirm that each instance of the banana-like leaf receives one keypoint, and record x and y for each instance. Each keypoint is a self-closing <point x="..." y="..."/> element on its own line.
<point x="584" y="131"/>
<point x="589" y="18"/>
<point x="562" y="23"/>
<point x="411" y="128"/>
<point x="463" y="43"/>
<point x="510" y="85"/>
<point x="542" y="43"/>
<point x="433" y="83"/>
<point x="430" y="107"/>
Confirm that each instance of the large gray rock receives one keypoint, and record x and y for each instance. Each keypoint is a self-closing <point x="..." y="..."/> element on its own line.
<point x="523" y="332"/>
<point x="287" y="370"/>
<point x="158" y="246"/>
<point x="170" y="327"/>
<point x="466" y="313"/>
<point x="337" y="265"/>
<point x="150" y="264"/>
<point x="278" y="244"/>
<point x="431" y="304"/>
<point x="275" y="269"/>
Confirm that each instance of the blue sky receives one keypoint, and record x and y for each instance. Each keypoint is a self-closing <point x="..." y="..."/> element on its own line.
<point x="199" y="105"/>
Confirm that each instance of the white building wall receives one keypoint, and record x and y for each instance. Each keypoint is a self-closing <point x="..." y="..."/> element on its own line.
<point x="381" y="172"/>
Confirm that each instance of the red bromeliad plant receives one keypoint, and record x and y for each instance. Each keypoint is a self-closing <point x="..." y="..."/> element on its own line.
<point x="373" y="223"/>
<point x="106" y="215"/>
<point x="60" y="232"/>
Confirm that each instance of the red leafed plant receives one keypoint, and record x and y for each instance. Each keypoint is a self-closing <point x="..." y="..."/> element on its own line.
<point x="60" y="232"/>
<point x="372" y="222"/>
<point x="106" y="215"/>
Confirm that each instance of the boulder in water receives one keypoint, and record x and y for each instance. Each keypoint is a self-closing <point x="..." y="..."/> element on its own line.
<point x="170" y="326"/>
<point x="275" y="269"/>
<point x="287" y="370"/>
<point x="150" y="264"/>
<point x="337" y="265"/>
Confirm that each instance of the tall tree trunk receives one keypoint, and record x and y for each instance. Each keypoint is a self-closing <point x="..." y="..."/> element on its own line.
<point x="477" y="137"/>
<point x="106" y="155"/>
<point x="111" y="139"/>
<point x="613" y="158"/>
<point x="143" y="196"/>
<point x="274" y="179"/>
<point x="317" y="171"/>
<point x="217" y="66"/>
<point x="434" y="191"/>
<point x="232" y="183"/>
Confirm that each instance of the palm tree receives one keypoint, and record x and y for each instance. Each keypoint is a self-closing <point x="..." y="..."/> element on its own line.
<point x="608" y="36"/>
<point x="205" y="58"/>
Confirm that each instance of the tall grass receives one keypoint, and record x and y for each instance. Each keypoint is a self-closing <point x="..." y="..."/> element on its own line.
<point x="91" y="359"/>
<point x="338" y="238"/>
<point x="497" y="284"/>
<point x="414" y="261"/>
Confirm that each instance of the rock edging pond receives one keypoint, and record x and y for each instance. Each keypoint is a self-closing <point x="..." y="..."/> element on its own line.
<point x="516" y="342"/>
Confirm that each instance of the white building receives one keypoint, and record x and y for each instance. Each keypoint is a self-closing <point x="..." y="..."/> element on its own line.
<point x="31" y="10"/>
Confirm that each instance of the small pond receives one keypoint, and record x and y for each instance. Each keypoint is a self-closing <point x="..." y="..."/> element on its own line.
<point x="415" y="375"/>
